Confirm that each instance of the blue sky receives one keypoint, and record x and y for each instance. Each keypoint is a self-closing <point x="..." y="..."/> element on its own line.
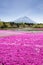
<point x="13" y="9"/>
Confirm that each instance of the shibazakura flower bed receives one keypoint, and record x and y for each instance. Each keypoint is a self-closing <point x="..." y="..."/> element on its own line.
<point x="22" y="49"/>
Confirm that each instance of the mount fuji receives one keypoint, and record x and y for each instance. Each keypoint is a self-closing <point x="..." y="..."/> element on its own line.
<point x="24" y="19"/>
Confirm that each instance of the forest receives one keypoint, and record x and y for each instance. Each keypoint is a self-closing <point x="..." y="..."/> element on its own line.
<point x="9" y="25"/>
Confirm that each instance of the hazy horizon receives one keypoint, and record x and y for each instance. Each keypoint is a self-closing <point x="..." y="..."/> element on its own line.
<point x="13" y="9"/>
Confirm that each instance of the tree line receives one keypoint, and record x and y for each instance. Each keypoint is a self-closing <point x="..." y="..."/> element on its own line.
<point x="19" y="25"/>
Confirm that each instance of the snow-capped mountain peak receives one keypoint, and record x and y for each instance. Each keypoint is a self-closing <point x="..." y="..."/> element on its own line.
<point x="24" y="19"/>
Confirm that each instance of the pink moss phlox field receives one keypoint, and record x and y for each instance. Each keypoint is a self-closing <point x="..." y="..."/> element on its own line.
<point x="22" y="49"/>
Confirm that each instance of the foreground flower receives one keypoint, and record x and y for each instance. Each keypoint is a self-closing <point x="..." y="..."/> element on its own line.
<point x="22" y="49"/>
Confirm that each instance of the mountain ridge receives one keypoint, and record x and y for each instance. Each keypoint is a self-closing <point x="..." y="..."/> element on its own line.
<point x="24" y="19"/>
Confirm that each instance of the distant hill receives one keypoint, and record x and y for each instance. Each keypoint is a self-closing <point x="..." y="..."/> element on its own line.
<point x="24" y="19"/>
